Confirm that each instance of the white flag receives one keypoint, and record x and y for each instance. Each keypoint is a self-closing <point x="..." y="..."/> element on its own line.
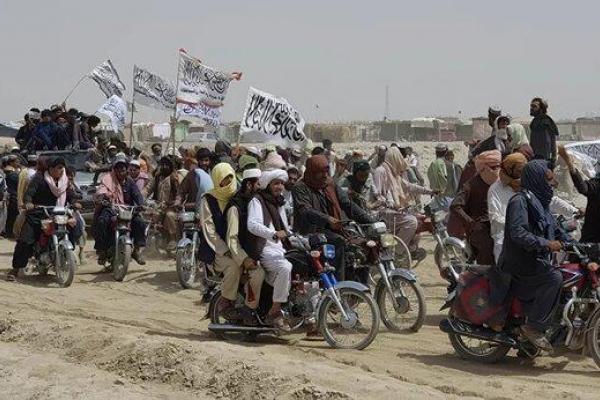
<point x="588" y="154"/>
<point x="151" y="90"/>
<point x="115" y="109"/>
<point x="200" y="88"/>
<point x="108" y="80"/>
<point x="210" y="115"/>
<point x="274" y="118"/>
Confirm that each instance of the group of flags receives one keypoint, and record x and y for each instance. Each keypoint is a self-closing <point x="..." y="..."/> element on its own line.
<point x="200" y="93"/>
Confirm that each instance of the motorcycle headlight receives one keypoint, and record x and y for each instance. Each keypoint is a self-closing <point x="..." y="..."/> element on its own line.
<point x="440" y="216"/>
<point x="61" y="219"/>
<point x="387" y="240"/>
<point x="329" y="251"/>
<point x="187" y="216"/>
<point x="379" y="227"/>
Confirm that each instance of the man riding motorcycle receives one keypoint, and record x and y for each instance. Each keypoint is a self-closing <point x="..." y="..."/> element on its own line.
<point x="318" y="206"/>
<point x="219" y="227"/>
<point x="117" y="187"/>
<point x="48" y="187"/>
<point x="164" y="192"/>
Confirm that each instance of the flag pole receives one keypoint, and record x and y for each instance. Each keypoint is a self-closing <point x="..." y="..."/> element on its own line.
<point x="131" y="123"/>
<point x="174" y="117"/>
<point x="75" y="87"/>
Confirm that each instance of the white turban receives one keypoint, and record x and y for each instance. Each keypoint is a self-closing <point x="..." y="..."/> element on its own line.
<point x="268" y="176"/>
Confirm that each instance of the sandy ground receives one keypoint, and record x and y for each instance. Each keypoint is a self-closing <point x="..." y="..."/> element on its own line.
<point x="145" y="338"/>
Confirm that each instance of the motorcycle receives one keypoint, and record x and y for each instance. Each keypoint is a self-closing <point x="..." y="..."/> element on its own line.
<point x="156" y="240"/>
<point x="344" y="312"/>
<point x="448" y="249"/>
<point x="575" y="321"/>
<point x="120" y="253"/>
<point x="187" y="263"/>
<point x="400" y="298"/>
<point x="53" y="248"/>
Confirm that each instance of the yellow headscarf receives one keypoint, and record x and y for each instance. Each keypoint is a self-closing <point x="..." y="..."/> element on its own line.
<point x="225" y="193"/>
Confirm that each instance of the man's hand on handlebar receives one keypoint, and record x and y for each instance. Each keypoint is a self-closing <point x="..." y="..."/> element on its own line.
<point x="280" y="235"/>
<point x="555" y="245"/>
<point x="335" y="224"/>
<point x="29" y="206"/>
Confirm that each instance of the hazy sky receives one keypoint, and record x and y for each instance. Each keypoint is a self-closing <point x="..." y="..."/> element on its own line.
<point x="438" y="57"/>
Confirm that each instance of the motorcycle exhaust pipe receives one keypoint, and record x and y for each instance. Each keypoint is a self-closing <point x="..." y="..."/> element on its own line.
<point x="476" y="332"/>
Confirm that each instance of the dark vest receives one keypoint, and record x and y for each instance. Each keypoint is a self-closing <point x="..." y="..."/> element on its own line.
<point x="255" y="245"/>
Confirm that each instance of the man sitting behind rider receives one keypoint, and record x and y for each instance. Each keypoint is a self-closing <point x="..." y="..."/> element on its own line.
<point x="220" y="233"/>
<point x="49" y="188"/>
<point x="267" y="221"/>
<point x="531" y="235"/>
<point x="141" y="178"/>
<point x="117" y="188"/>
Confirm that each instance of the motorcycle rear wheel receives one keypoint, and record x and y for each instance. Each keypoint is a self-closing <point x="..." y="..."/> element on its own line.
<point x="217" y="318"/>
<point x="65" y="268"/>
<point x="331" y="321"/>
<point x="186" y="270"/>
<point x="394" y="316"/>
<point x="486" y="352"/>
<point x="120" y="262"/>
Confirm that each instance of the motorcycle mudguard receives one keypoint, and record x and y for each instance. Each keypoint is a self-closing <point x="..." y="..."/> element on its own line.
<point x="403" y="273"/>
<point x="456" y="242"/>
<point x="183" y="242"/>
<point x="66" y="243"/>
<point x="352" y="285"/>
<point x="126" y="239"/>
<point x="449" y="300"/>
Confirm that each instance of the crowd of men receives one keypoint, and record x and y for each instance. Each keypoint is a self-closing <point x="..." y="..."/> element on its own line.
<point x="249" y="200"/>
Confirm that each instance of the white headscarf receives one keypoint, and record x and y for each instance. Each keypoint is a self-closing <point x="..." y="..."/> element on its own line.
<point x="268" y="176"/>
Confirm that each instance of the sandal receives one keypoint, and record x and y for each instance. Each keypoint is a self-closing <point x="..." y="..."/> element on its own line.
<point x="277" y="321"/>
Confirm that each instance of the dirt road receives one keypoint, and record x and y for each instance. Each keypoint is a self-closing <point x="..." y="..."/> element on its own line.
<point x="145" y="338"/>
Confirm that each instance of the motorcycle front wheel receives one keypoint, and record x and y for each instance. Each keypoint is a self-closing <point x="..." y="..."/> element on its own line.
<point x="65" y="268"/>
<point x="404" y="311"/>
<point x="454" y="253"/>
<point x="186" y="268"/>
<point x="121" y="260"/>
<point x="593" y="338"/>
<point x="360" y="328"/>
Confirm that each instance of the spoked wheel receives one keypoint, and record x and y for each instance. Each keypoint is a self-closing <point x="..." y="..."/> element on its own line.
<point x="405" y="310"/>
<point x="121" y="260"/>
<point x="361" y="326"/>
<point x="217" y="318"/>
<point x="186" y="268"/>
<point x="593" y="339"/>
<point x="477" y="350"/>
<point x="65" y="267"/>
